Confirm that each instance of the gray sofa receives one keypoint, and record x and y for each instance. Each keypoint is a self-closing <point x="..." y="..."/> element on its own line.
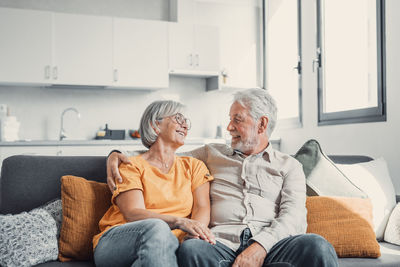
<point x="27" y="182"/>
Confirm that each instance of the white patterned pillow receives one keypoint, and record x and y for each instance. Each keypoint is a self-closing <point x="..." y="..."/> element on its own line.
<point x="28" y="238"/>
<point x="55" y="209"/>
<point x="392" y="232"/>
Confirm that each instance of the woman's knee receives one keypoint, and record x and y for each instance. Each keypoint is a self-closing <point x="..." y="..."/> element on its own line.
<point x="158" y="230"/>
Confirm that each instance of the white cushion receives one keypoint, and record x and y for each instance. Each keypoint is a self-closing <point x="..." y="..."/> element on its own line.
<point x="29" y="238"/>
<point x="392" y="232"/>
<point x="373" y="178"/>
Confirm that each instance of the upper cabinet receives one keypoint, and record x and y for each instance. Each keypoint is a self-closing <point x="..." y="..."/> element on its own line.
<point x="82" y="53"/>
<point x="140" y="53"/>
<point x="193" y="49"/>
<point x="51" y="48"/>
<point x="25" y="46"/>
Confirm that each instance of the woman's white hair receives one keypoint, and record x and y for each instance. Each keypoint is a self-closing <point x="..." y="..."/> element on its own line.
<point x="156" y="111"/>
<point x="259" y="103"/>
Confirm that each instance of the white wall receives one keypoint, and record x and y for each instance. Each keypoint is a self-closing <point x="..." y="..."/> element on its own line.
<point x="379" y="139"/>
<point x="39" y="109"/>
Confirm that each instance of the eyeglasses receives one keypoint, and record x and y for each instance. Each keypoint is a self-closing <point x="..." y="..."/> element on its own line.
<point x="181" y="120"/>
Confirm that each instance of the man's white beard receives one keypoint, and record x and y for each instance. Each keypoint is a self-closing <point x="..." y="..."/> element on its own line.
<point x="249" y="144"/>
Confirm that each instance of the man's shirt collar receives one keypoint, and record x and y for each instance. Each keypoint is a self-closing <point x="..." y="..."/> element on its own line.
<point x="267" y="153"/>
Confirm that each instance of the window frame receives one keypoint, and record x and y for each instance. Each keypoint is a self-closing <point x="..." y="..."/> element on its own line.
<point x="293" y="122"/>
<point x="372" y="114"/>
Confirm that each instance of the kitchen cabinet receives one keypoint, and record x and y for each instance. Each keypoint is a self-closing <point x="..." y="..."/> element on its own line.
<point x="82" y="52"/>
<point x="25" y="46"/>
<point x="193" y="49"/>
<point x="140" y="53"/>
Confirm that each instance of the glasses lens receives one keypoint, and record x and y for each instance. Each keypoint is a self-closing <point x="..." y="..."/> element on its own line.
<point x="188" y="124"/>
<point x="180" y="119"/>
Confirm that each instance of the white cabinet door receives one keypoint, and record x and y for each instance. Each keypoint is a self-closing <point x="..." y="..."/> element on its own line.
<point x="193" y="49"/>
<point x="25" y="46"/>
<point x="140" y="53"/>
<point x="206" y="42"/>
<point x="82" y="49"/>
<point x="181" y="38"/>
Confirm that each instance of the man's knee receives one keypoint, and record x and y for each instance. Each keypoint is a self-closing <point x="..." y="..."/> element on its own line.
<point x="192" y="248"/>
<point x="317" y="244"/>
<point x="319" y="248"/>
<point x="192" y="252"/>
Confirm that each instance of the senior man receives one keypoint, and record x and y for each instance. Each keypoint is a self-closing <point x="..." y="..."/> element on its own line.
<point x="258" y="212"/>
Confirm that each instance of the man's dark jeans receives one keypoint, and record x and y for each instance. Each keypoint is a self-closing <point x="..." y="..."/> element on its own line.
<point x="307" y="250"/>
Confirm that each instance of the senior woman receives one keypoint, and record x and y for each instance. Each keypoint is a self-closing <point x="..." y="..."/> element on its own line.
<point x="160" y="192"/>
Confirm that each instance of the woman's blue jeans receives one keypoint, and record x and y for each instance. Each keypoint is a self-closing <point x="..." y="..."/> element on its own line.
<point x="141" y="243"/>
<point x="307" y="250"/>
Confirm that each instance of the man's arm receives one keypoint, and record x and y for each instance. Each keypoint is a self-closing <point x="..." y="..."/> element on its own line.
<point x="292" y="216"/>
<point x="114" y="159"/>
<point x="253" y="256"/>
<point x="199" y="153"/>
<point x="291" y="220"/>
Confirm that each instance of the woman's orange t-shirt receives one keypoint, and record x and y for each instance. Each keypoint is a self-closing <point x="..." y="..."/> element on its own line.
<point x="165" y="193"/>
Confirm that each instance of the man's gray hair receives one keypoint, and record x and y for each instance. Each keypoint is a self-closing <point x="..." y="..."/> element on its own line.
<point x="156" y="111"/>
<point x="260" y="103"/>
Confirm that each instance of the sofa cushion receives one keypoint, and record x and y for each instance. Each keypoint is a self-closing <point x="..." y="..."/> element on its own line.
<point x="83" y="203"/>
<point x="346" y="223"/>
<point x="28" y="238"/>
<point x="374" y="179"/>
<point x="54" y="208"/>
<point x="392" y="232"/>
<point x="323" y="178"/>
<point x="37" y="178"/>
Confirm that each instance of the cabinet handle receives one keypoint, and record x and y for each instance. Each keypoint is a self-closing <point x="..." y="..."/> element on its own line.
<point x="197" y="60"/>
<point x="115" y="75"/>
<point x="55" y="73"/>
<point x="190" y="60"/>
<point x="47" y="72"/>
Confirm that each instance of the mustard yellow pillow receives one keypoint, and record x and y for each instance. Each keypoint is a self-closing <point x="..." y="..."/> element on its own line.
<point x="346" y="223"/>
<point x="83" y="205"/>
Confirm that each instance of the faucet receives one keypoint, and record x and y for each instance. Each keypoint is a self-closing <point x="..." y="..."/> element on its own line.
<point x="62" y="131"/>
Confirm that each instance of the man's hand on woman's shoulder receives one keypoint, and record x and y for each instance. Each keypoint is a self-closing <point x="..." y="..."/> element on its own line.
<point x="113" y="162"/>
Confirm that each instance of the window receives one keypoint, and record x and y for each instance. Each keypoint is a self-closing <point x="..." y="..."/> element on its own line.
<point x="350" y="61"/>
<point x="282" y="60"/>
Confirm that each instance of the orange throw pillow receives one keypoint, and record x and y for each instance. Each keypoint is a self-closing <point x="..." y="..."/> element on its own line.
<point x="346" y="223"/>
<point x="83" y="205"/>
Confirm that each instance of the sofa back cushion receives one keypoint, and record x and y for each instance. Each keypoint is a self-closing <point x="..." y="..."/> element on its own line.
<point x="30" y="181"/>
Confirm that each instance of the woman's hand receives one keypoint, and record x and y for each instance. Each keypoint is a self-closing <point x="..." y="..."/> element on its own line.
<point x="195" y="229"/>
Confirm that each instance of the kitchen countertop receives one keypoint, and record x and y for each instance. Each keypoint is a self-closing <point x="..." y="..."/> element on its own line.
<point x="101" y="142"/>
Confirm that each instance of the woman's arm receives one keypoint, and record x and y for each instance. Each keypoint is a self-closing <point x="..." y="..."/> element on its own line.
<point x="201" y="204"/>
<point x="201" y="208"/>
<point x="131" y="205"/>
